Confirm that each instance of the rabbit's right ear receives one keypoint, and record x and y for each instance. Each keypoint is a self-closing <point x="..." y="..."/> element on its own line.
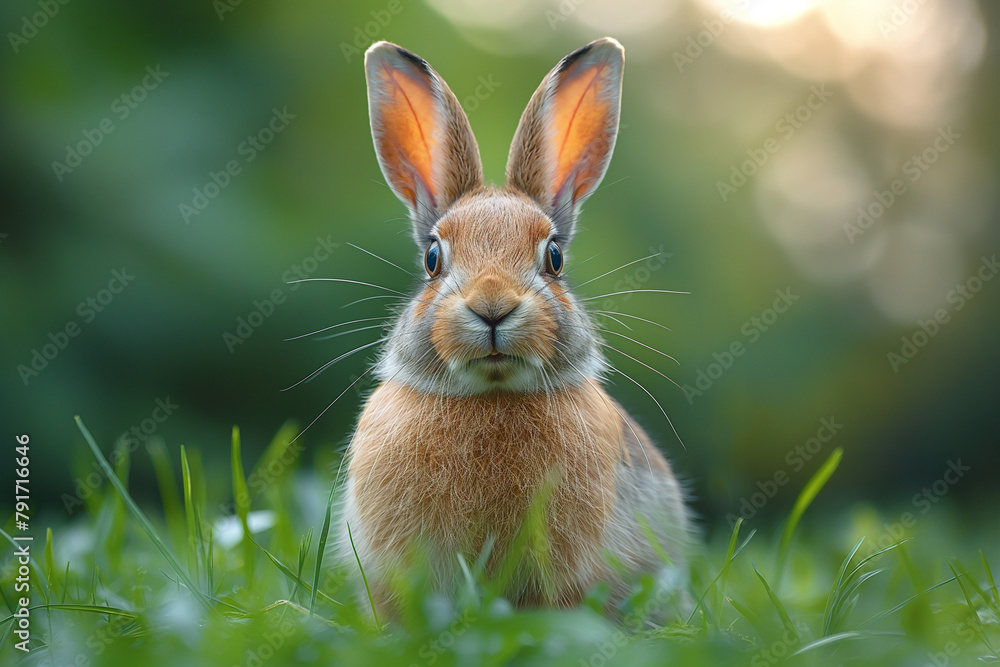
<point x="564" y="141"/>
<point x="423" y="140"/>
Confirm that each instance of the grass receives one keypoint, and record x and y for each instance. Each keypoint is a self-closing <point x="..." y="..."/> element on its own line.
<point x="245" y="583"/>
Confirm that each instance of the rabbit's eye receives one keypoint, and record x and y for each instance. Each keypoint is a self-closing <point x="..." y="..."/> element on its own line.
<point x="432" y="259"/>
<point x="554" y="258"/>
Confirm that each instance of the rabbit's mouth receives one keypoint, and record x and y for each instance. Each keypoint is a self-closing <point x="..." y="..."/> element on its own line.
<point x="495" y="367"/>
<point x="495" y="360"/>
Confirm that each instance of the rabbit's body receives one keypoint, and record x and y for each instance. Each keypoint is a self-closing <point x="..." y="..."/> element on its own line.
<point x="455" y="472"/>
<point x="489" y="429"/>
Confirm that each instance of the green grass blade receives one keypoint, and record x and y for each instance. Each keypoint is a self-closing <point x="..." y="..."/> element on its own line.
<point x="6" y="635"/>
<point x="751" y="618"/>
<point x="849" y="593"/>
<point x="989" y="577"/>
<point x="978" y="590"/>
<point x="304" y="545"/>
<point x="241" y="500"/>
<point x="808" y="494"/>
<point x="50" y="564"/>
<point x="782" y="612"/>
<point x="210" y="562"/>
<point x="6" y="602"/>
<point x="730" y="551"/>
<point x="65" y="587"/>
<point x="479" y="567"/>
<point x="650" y="536"/>
<point x="321" y="548"/>
<point x="189" y="513"/>
<point x="729" y="559"/>
<point x="167" y="482"/>
<point x="830" y="639"/>
<point x="976" y="627"/>
<point x="848" y="584"/>
<point x="140" y="518"/>
<point x="273" y="466"/>
<point x="875" y="554"/>
<point x="469" y="590"/>
<point x="878" y="617"/>
<point x="835" y="600"/>
<point x="85" y="608"/>
<point x="364" y="577"/>
<point x="285" y="570"/>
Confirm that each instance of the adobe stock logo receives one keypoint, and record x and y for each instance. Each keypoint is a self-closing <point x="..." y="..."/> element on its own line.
<point x="30" y="25"/>
<point x="121" y="108"/>
<point x="786" y="127"/>
<point x="752" y="329"/>
<point x="248" y="150"/>
<point x="265" y="307"/>
<point x="697" y="43"/>
<point x="796" y="459"/>
<point x="914" y="168"/>
<point x="87" y="310"/>
<point x="365" y="35"/>
<point x="962" y="294"/>
<point x="126" y="444"/>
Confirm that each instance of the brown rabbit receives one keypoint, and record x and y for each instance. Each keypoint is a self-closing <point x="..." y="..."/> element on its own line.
<point x="490" y="399"/>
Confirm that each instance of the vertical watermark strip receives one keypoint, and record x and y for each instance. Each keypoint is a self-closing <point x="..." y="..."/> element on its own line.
<point x="22" y="515"/>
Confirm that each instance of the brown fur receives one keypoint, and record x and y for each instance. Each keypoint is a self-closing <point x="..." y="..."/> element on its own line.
<point x="458" y="470"/>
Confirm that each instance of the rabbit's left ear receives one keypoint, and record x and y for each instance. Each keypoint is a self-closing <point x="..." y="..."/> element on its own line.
<point x="564" y="141"/>
<point x="423" y="140"/>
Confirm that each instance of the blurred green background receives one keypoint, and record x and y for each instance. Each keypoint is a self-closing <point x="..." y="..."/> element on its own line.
<point x="750" y="137"/>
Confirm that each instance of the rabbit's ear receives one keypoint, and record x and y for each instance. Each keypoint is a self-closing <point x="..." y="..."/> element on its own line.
<point x="424" y="144"/>
<point x="564" y="141"/>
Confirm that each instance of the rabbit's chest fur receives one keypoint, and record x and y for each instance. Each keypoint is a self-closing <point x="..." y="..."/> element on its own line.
<point x="456" y="471"/>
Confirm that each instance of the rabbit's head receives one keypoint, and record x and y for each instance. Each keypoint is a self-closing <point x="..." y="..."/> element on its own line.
<point x="494" y="313"/>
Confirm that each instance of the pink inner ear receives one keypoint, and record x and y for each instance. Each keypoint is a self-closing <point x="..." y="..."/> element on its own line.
<point x="408" y="130"/>
<point x="580" y="114"/>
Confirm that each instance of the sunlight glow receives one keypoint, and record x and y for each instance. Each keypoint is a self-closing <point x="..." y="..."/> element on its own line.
<point x="901" y="72"/>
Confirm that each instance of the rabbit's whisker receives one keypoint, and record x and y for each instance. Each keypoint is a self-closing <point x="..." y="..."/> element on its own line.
<point x="579" y="264"/>
<point x="404" y="295"/>
<point x="369" y="298"/>
<point x="393" y="264"/>
<point x="633" y="291"/>
<point x="370" y="369"/>
<point x="347" y="447"/>
<point x="648" y="393"/>
<point x="623" y="266"/>
<point x="634" y="317"/>
<point x="346" y="280"/>
<point x="621" y="440"/>
<point x="648" y="347"/>
<point x="335" y="326"/>
<point x="383" y="259"/>
<point x="615" y="319"/>
<point x="590" y="446"/>
<point x="626" y="354"/>
<point x="331" y="363"/>
<point x="564" y="273"/>
<point x="351" y="331"/>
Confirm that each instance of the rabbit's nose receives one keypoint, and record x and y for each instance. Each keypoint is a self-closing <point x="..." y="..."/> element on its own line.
<point x="493" y="316"/>
<point x="492" y="299"/>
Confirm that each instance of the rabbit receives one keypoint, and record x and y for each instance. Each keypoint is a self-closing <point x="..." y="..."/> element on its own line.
<point x="489" y="400"/>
